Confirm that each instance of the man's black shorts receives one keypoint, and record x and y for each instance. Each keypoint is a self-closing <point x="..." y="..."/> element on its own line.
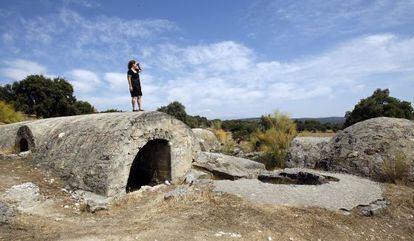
<point x="136" y="91"/>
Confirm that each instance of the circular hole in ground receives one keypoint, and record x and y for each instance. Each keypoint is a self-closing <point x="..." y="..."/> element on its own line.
<point x="297" y="178"/>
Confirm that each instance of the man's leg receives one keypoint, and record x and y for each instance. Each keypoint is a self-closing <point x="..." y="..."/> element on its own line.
<point x="140" y="102"/>
<point x="134" y="102"/>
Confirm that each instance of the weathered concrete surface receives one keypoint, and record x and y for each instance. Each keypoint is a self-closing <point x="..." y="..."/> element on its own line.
<point x="304" y="152"/>
<point x="228" y="167"/>
<point x="95" y="152"/>
<point x="349" y="192"/>
<point x="208" y="141"/>
<point x="364" y="148"/>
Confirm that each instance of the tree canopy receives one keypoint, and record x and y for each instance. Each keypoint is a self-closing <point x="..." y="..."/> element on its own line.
<point x="380" y="103"/>
<point x="177" y="110"/>
<point x="44" y="97"/>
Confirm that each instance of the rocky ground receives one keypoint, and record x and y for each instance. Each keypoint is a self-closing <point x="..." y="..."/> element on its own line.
<point x="198" y="213"/>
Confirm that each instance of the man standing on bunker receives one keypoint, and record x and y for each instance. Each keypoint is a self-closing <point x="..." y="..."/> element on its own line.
<point x="135" y="84"/>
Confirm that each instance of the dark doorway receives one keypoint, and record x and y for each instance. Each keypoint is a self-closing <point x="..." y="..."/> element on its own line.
<point x="151" y="166"/>
<point x="23" y="145"/>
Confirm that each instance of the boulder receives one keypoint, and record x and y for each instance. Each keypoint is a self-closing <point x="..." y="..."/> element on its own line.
<point x="194" y="175"/>
<point x="375" y="208"/>
<point x="92" y="202"/>
<point x="304" y="152"/>
<point x="206" y="138"/>
<point x="6" y="213"/>
<point x="228" y="167"/>
<point x="26" y="198"/>
<point x="369" y="148"/>
<point x="26" y="193"/>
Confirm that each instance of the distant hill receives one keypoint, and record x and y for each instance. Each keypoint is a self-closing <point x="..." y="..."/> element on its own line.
<point x="333" y="120"/>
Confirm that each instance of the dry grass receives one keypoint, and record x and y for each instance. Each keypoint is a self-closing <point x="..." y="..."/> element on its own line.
<point x="9" y="150"/>
<point x="202" y="195"/>
<point x="201" y="214"/>
<point x="397" y="169"/>
<point x="316" y="134"/>
<point x="246" y="146"/>
<point x="226" y="140"/>
<point x="222" y="135"/>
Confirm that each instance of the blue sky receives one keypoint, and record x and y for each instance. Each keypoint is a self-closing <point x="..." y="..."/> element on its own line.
<point x="221" y="59"/>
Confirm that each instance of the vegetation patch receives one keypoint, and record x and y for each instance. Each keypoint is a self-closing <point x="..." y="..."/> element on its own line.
<point x="397" y="169"/>
<point x="8" y="114"/>
<point x="380" y="103"/>
<point x="44" y="97"/>
<point x="273" y="139"/>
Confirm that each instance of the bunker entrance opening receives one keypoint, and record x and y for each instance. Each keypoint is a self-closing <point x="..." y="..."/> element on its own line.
<point x="151" y="166"/>
<point x="23" y="145"/>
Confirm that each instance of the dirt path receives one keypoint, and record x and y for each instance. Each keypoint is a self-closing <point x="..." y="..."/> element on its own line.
<point x="200" y="215"/>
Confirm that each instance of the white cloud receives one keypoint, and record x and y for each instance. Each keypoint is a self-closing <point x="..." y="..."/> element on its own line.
<point x="228" y="77"/>
<point x="99" y="38"/>
<point x="18" y="69"/>
<point x="216" y="58"/>
<point x="85" y="3"/>
<point x="310" y="18"/>
<point x="84" y="81"/>
<point x="117" y="81"/>
<point x="7" y="38"/>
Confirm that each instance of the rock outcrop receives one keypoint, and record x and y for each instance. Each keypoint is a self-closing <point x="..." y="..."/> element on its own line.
<point x="370" y="147"/>
<point x="208" y="141"/>
<point x="305" y="152"/>
<point x="228" y="167"/>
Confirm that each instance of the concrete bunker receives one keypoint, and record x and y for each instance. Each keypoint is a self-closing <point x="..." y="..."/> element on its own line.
<point x="24" y="139"/>
<point x="151" y="166"/>
<point x="96" y="152"/>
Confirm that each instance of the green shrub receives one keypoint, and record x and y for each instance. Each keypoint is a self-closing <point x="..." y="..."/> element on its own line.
<point x="380" y="103"/>
<point x="273" y="139"/>
<point x="8" y="114"/>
